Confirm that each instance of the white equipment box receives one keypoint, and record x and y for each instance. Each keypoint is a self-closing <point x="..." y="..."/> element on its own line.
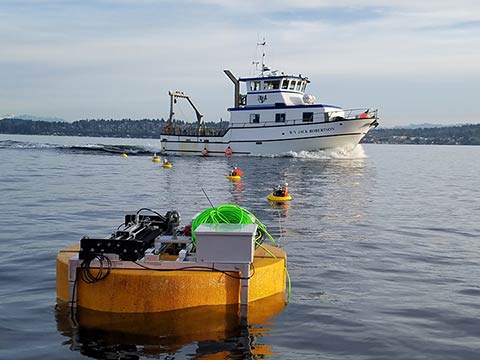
<point x="226" y="243"/>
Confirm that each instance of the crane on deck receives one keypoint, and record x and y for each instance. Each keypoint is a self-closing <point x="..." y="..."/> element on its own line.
<point x="180" y="94"/>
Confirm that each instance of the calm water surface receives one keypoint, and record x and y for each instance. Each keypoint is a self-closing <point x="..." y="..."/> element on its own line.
<point x="383" y="246"/>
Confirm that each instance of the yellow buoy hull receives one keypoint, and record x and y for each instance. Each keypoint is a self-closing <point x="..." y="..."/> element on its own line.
<point x="167" y="166"/>
<point x="169" y="331"/>
<point x="274" y="198"/>
<point x="141" y="291"/>
<point x="155" y="159"/>
<point x="233" y="177"/>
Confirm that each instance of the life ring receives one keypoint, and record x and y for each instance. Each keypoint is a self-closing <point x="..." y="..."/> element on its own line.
<point x="228" y="151"/>
<point x="167" y="129"/>
<point x="205" y="152"/>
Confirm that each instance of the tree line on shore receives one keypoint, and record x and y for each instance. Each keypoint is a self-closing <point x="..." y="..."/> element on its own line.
<point x="468" y="134"/>
<point x="124" y="128"/>
<point x="143" y="128"/>
<point x="151" y="128"/>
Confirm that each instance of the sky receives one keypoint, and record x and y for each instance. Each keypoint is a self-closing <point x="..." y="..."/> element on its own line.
<point x="416" y="61"/>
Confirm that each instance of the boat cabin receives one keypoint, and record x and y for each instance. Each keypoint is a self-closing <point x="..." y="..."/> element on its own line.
<point x="277" y="100"/>
<point x="274" y="90"/>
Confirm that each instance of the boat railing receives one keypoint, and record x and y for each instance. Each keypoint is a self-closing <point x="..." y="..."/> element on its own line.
<point x="349" y="114"/>
<point x="182" y="130"/>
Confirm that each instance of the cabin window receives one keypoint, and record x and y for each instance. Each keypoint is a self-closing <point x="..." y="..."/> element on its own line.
<point x="254" y="118"/>
<point x="299" y="85"/>
<point x="307" y="117"/>
<point x="292" y="84"/>
<point x="280" y="117"/>
<point x="304" y="84"/>
<point x="255" y="85"/>
<point x="271" y="85"/>
<point x="285" y="84"/>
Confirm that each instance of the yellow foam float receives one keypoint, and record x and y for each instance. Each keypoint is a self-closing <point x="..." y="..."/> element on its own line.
<point x="141" y="290"/>
<point x="124" y="155"/>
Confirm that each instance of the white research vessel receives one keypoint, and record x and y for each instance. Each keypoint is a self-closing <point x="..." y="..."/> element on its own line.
<point x="275" y="116"/>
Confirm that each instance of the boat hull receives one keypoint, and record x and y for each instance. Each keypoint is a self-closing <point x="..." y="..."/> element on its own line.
<point x="142" y="291"/>
<point x="272" y="139"/>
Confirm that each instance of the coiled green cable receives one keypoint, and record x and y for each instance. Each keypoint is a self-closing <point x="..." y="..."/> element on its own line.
<point x="230" y="214"/>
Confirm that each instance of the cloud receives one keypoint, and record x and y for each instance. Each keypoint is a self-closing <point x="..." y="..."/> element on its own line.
<point x="138" y="50"/>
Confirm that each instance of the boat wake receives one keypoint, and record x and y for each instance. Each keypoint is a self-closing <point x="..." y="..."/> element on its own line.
<point x="13" y="144"/>
<point x="79" y="149"/>
<point x="341" y="153"/>
<point x="109" y="149"/>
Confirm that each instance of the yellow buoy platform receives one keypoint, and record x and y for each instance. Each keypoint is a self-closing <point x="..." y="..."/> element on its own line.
<point x="156" y="159"/>
<point x="275" y="198"/>
<point x="142" y="290"/>
<point x="124" y="155"/>
<point x="167" y="165"/>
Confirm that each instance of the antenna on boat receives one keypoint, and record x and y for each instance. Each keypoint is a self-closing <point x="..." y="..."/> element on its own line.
<point x="264" y="68"/>
<point x="207" y="197"/>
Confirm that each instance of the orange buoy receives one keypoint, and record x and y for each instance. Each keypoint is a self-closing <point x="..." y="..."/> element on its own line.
<point x="205" y="151"/>
<point x="364" y="115"/>
<point x="228" y="151"/>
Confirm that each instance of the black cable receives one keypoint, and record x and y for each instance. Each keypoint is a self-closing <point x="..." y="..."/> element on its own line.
<point x="153" y="211"/>
<point x="202" y="267"/>
<point x="88" y="276"/>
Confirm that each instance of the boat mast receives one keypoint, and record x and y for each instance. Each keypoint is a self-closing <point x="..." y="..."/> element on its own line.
<point x="264" y="67"/>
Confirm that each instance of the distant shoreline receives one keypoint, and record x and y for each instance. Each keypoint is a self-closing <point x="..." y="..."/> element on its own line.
<point x="150" y="129"/>
<point x="445" y="135"/>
